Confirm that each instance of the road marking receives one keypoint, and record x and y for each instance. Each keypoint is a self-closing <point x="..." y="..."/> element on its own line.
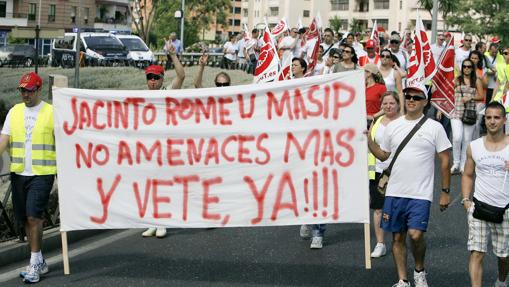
<point x="9" y="275"/>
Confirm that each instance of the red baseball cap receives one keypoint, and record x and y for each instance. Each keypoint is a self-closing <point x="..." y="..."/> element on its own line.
<point x="154" y="69"/>
<point x="495" y="40"/>
<point x="447" y="34"/>
<point x="370" y="44"/>
<point x="30" y="81"/>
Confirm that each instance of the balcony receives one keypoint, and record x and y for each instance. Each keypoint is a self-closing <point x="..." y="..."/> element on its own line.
<point x="114" y="2"/>
<point x="112" y="24"/>
<point x="14" y="19"/>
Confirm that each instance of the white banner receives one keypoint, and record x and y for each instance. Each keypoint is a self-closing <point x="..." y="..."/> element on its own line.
<point x="281" y="153"/>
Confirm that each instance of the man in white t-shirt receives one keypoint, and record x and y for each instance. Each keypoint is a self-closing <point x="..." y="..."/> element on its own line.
<point x="462" y="53"/>
<point x="438" y="47"/>
<point x="488" y="156"/>
<point x="328" y="43"/>
<point x="28" y="131"/>
<point x="230" y="52"/>
<point x="402" y="55"/>
<point x="410" y="188"/>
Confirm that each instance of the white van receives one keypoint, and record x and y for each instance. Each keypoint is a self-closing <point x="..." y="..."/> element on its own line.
<point x="139" y="54"/>
<point x="100" y="49"/>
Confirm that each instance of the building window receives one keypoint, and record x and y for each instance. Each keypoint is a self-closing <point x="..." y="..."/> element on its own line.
<point x="384" y="23"/>
<point x="86" y="14"/>
<point x="244" y="11"/>
<point x="274" y="11"/>
<point x="382" y="4"/>
<point x="236" y="10"/>
<point x="236" y="22"/>
<point x="400" y="6"/>
<point x="74" y="10"/>
<point x="305" y="13"/>
<point x="339" y="5"/>
<point x="3" y="9"/>
<point x="362" y="6"/>
<point x="32" y="7"/>
<point x="51" y="13"/>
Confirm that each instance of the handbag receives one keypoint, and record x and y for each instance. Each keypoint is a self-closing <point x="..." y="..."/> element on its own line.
<point x="469" y="113"/>
<point x="384" y="178"/>
<point x="487" y="212"/>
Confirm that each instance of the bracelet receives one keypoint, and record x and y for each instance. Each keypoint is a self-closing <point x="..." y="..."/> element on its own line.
<point x="446" y="190"/>
<point x="464" y="200"/>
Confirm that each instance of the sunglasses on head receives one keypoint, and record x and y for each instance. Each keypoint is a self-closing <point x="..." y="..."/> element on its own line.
<point x="223" y="84"/>
<point x="414" y="98"/>
<point x="153" y="77"/>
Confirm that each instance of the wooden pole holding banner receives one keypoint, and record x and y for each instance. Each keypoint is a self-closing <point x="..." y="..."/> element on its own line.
<point x="65" y="253"/>
<point x="60" y="81"/>
<point x="367" y="245"/>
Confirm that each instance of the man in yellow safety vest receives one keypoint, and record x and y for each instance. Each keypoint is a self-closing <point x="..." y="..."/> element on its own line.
<point x="28" y="131"/>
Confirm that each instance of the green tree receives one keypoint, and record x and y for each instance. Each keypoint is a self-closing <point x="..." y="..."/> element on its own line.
<point x="357" y="26"/>
<point x="483" y="17"/>
<point x="446" y="7"/>
<point x="335" y="23"/>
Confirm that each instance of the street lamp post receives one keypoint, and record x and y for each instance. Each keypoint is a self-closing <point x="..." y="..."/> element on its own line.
<point x="37" y="31"/>
<point x="182" y="26"/>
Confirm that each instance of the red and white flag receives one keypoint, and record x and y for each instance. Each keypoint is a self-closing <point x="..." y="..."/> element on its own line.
<point x="285" y="73"/>
<point x="267" y="66"/>
<point x="281" y="27"/>
<point x="313" y="37"/>
<point x="375" y="38"/>
<point x="443" y="81"/>
<point x="422" y="66"/>
<point x="247" y="33"/>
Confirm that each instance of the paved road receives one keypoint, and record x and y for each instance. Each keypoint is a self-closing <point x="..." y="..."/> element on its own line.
<point x="273" y="256"/>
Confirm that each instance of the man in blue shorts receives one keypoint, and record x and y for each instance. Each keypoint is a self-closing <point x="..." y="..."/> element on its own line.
<point x="28" y="131"/>
<point x="410" y="189"/>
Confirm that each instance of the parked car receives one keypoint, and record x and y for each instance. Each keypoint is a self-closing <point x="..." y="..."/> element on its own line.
<point x="139" y="54"/>
<point x="98" y="49"/>
<point x="17" y="54"/>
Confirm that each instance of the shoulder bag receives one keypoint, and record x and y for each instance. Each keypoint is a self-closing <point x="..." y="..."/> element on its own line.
<point x="384" y="178"/>
<point x="487" y="212"/>
<point x="470" y="112"/>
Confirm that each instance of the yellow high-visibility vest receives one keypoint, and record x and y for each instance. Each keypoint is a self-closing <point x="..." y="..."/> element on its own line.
<point x="43" y="141"/>
<point x="371" y="157"/>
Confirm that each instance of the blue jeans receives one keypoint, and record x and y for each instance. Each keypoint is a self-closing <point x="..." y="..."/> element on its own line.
<point x="318" y="230"/>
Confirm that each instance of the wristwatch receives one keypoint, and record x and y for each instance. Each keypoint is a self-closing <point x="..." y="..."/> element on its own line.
<point x="446" y="190"/>
<point x="464" y="200"/>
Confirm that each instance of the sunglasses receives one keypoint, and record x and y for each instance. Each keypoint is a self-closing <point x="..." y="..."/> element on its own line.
<point x="414" y="98"/>
<point x="385" y="56"/>
<point x="224" y="84"/>
<point x="467" y="66"/>
<point x="467" y="40"/>
<point x="335" y="56"/>
<point x="394" y="42"/>
<point x="153" y="77"/>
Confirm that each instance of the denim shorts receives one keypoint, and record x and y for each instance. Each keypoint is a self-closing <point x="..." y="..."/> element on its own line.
<point x="30" y="195"/>
<point x="400" y="214"/>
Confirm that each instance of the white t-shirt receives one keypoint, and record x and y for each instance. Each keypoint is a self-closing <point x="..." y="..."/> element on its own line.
<point x="308" y="49"/>
<point x="490" y="173"/>
<point x="229" y="47"/>
<point x="240" y="46"/>
<point x="460" y="55"/>
<point x="379" y="136"/>
<point x="30" y="118"/>
<point x="402" y="58"/>
<point x="412" y="174"/>
<point x="325" y="47"/>
<point x="437" y="51"/>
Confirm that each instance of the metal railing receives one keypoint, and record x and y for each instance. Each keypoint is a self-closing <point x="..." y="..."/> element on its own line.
<point x="10" y="228"/>
<point x="191" y="59"/>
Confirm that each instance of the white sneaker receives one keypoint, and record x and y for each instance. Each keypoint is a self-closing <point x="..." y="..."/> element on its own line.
<point x="420" y="279"/>
<point x="455" y="168"/>
<point x="305" y="231"/>
<point x="316" y="242"/>
<point x="402" y="283"/>
<point x="161" y="232"/>
<point x="43" y="269"/>
<point x="379" y="250"/>
<point x="499" y="283"/>
<point x="149" y="232"/>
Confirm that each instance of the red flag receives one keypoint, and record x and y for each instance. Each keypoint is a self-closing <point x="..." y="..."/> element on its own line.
<point x="268" y="62"/>
<point x="313" y="35"/>
<point x="279" y="28"/>
<point x="285" y="72"/>
<point x="422" y="66"/>
<point x="443" y="81"/>
<point x="376" y="38"/>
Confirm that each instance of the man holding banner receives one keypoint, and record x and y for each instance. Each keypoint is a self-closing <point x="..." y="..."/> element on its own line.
<point x="410" y="188"/>
<point x="28" y="130"/>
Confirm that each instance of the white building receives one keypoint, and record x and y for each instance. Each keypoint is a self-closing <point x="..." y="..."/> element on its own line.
<point x="395" y="15"/>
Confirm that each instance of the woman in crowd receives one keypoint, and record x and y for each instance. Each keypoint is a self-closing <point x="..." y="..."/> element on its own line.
<point x="375" y="89"/>
<point x="319" y="67"/>
<point x="222" y="79"/>
<point x="333" y="59"/>
<point x="392" y="78"/>
<point x="480" y="71"/>
<point x="349" y="62"/>
<point x="299" y="68"/>
<point x="391" y="109"/>
<point x="467" y="88"/>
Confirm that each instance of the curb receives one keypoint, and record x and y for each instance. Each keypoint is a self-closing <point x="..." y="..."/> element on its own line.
<point x="14" y="251"/>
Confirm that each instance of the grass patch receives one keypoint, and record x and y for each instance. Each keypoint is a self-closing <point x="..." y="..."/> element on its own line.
<point x="108" y="78"/>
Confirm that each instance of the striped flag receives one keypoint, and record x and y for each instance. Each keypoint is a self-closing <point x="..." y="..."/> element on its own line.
<point x="443" y="82"/>
<point x="374" y="37"/>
